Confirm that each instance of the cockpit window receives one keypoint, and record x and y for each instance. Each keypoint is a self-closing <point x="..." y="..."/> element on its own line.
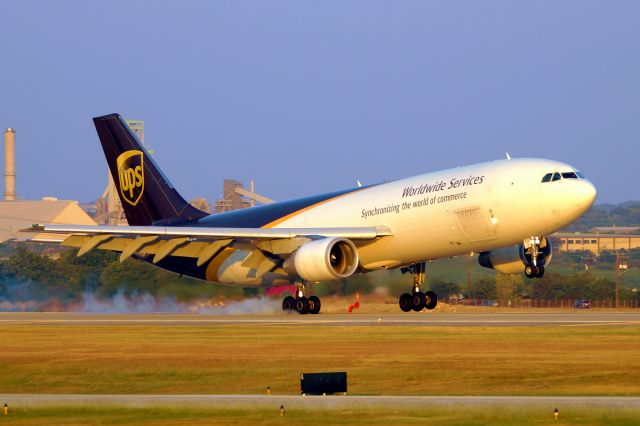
<point x="569" y="175"/>
<point x="552" y="177"/>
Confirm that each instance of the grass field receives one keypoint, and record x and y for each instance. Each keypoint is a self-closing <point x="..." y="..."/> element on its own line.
<point x="388" y="360"/>
<point x="498" y="416"/>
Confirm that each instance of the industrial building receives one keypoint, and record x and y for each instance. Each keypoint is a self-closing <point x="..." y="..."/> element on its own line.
<point x="231" y="200"/>
<point x="137" y="127"/>
<point x="235" y="197"/>
<point x="17" y="214"/>
<point x="21" y="214"/>
<point x="201" y="203"/>
<point x="596" y="242"/>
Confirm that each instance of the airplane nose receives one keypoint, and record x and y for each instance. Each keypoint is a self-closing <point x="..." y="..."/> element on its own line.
<point x="566" y="200"/>
<point x="586" y="193"/>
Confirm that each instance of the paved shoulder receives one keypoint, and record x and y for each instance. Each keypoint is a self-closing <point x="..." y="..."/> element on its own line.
<point x="320" y="402"/>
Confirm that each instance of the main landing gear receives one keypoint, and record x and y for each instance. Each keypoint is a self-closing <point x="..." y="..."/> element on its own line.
<point x="534" y="268"/>
<point x="301" y="303"/>
<point x="417" y="300"/>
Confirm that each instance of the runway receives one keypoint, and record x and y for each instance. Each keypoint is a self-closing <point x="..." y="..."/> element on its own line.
<point x="316" y="402"/>
<point x="425" y="319"/>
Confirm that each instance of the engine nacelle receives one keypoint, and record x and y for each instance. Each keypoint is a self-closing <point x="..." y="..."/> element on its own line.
<point x="506" y="260"/>
<point x="512" y="260"/>
<point x="323" y="259"/>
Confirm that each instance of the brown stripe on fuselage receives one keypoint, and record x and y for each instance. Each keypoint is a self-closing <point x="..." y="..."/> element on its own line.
<point x="304" y="209"/>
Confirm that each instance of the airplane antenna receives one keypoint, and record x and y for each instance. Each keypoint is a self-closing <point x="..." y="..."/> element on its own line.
<point x="508" y="156"/>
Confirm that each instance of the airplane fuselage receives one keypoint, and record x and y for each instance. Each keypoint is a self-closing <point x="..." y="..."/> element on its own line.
<point x="436" y="215"/>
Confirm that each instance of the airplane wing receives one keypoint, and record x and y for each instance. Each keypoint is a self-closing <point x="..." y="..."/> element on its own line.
<point x="196" y="242"/>
<point x="357" y="233"/>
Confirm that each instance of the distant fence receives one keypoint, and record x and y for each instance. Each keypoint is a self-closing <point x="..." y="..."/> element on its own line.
<point x="546" y="303"/>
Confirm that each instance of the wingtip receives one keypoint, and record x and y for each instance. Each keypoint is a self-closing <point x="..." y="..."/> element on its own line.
<point x="36" y="227"/>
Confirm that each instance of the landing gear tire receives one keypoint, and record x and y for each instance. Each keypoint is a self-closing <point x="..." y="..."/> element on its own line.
<point x="537" y="252"/>
<point x="418" y="300"/>
<point x="314" y="304"/>
<point x="431" y="300"/>
<point x="288" y="303"/>
<point x="405" y="302"/>
<point x="531" y="271"/>
<point x="302" y="305"/>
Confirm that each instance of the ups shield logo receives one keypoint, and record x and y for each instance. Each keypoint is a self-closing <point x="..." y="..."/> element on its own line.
<point x="131" y="176"/>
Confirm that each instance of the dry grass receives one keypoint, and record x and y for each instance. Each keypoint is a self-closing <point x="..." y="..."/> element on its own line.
<point x="433" y="415"/>
<point x="386" y="360"/>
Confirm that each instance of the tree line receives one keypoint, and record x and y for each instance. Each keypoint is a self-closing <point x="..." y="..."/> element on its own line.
<point x="26" y="274"/>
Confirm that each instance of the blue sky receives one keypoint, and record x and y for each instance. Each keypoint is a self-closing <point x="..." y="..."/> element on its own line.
<point x="308" y="96"/>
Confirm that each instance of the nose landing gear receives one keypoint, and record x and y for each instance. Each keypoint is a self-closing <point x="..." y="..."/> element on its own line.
<point x="417" y="300"/>
<point x="533" y="271"/>
<point x="301" y="303"/>
<point x="535" y="258"/>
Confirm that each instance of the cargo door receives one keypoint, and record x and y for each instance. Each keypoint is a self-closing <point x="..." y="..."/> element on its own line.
<point x="475" y="224"/>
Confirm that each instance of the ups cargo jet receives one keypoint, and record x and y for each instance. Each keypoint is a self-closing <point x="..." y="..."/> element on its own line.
<point x="502" y="210"/>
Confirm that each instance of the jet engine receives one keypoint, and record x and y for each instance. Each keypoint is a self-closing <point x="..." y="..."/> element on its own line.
<point x="514" y="259"/>
<point x="323" y="259"/>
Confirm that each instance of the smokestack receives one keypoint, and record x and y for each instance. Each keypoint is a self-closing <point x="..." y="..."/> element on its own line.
<point x="9" y="164"/>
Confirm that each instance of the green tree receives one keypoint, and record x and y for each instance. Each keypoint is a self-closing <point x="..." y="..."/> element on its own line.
<point x="130" y="278"/>
<point x="509" y="287"/>
<point x="484" y="288"/>
<point x="444" y="289"/>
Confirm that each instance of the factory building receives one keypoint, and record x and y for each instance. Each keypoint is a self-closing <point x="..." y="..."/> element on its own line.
<point x="137" y="127"/>
<point x="21" y="214"/>
<point x="596" y="242"/>
<point x="16" y="214"/>
<point x="231" y="199"/>
<point x="235" y="196"/>
<point x="201" y="203"/>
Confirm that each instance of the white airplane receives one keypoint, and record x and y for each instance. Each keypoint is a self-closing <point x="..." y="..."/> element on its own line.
<point x="502" y="210"/>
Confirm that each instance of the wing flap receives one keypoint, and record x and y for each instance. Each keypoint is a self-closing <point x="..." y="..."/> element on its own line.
<point x="169" y="247"/>
<point x="135" y="246"/>
<point x="119" y="244"/>
<point x="195" y="242"/>
<point x="92" y="242"/>
<point x="210" y="250"/>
